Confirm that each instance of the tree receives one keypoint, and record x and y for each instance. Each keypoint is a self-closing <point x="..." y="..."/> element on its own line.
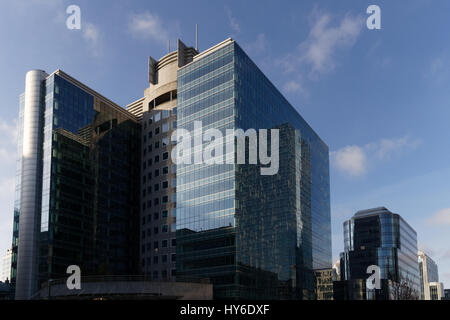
<point x="403" y="289"/>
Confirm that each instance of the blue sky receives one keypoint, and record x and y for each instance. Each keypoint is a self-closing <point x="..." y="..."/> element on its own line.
<point x="378" y="98"/>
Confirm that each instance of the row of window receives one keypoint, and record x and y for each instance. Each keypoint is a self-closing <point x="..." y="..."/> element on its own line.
<point x="164" y="128"/>
<point x="156" y="247"/>
<point x="156" y="215"/>
<point x="165" y="170"/>
<point x="161" y="259"/>
<point x="156" y="187"/>
<point x="156" y="201"/>
<point x="164" y="229"/>
<point x="157" y="116"/>
<point x="155" y="273"/>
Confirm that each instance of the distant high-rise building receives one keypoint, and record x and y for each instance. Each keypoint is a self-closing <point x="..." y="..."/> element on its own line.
<point x="436" y="291"/>
<point x="77" y="183"/>
<point x="382" y="238"/>
<point x="446" y="294"/>
<point x="6" y="266"/>
<point x="324" y="283"/>
<point x="428" y="273"/>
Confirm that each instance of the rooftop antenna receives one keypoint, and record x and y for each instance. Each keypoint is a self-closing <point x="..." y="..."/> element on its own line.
<point x="196" y="36"/>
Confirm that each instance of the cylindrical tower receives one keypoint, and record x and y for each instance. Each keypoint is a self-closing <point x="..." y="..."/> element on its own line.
<point x="27" y="259"/>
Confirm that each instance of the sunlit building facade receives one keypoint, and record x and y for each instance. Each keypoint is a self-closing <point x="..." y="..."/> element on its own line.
<point x="76" y="184"/>
<point x="255" y="236"/>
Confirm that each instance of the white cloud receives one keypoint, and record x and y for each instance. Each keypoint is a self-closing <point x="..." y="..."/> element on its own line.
<point x="354" y="160"/>
<point x="351" y="160"/>
<point x="149" y="26"/>
<point x="441" y="217"/>
<point x="91" y="35"/>
<point x="232" y="21"/>
<point x="258" y="46"/>
<point x="386" y="148"/>
<point x="316" y="54"/>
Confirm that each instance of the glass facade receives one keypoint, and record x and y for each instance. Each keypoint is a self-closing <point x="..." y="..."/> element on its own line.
<point x="89" y="203"/>
<point x="255" y="237"/>
<point x="379" y="237"/>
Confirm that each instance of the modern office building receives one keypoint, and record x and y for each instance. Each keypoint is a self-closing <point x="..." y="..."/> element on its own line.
<point x="382" y="238"/>
<point x="428" y="273"/>
<point x="255" y="236"/>
<point x="76" y="184"/>
<point x="446" y="294"/>
<point x="6" y="266"/>
<point x="97" y="185"/>
<point x="157" y="113"/>
<point x="324" y="283"/>
<point x="436" y="291"/>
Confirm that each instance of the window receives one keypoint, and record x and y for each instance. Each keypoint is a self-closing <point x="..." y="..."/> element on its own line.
<point x="164" y="274"/>
<point x="155" y="230"/>
<point x="164" y="244"/>
<point x="173" y="227"/>
<point x="165" y="184"/>
<point x="173" y="272"/>
<point x="165" y="155"/>
<point x="156" y="187"/>
<point x="155" y="259"/>
<point x="174" y="124"/>
<point x="165" y="127"/>
<point x="156" y="131"/>
<point x="165" y="228"/>
<point x="150" y="120"/>
<point x="156" y="159"/>
<point x="174" y="257"/>
<point x="156" y="144"/>
<point x="156" y="216"/>
<point x="155" y="245"/>
<point x="174" y="242"/>
<point x="150" y="148"/>
<point x="143" y="220"/>
<point x="164" y="213"/>
<point x="165" y="170"/>
<point x="165" y="199"/>
<point x="174" y="182"/>
<point x="149" y="176"/>
<point x="157" y="173"/>
<point x="165" y="114"/>
<point x="174" y="212"/>
<point x="149" y="232"/>
<point x="156" y="201"/>
<point x="155" y="273"/>
<point x="165" y="142"/>
<point x="150" y="133"/>
<point x="164" y="258"/>
<point x="157" y="116"/>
